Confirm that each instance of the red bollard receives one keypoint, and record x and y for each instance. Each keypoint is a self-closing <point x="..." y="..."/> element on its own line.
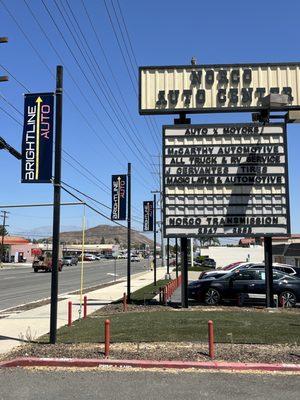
<point x="69" y="313"/>
<point x="124" y="302"/>
<point x="106" y="338"/>
<point x="211" y="343"/>
<point x="84" y="306"/>
<point x="165" y="295"/>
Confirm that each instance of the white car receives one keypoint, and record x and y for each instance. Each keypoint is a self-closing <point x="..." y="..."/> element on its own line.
<point x="89" y="257"/>
<point x="223" y="271"/>
<point x="135" y="258"/>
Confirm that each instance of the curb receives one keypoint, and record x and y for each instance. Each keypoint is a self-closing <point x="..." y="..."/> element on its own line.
<point x="93" y="362"/>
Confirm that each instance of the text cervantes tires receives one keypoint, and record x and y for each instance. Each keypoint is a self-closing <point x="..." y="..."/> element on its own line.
<point x="287" y="299"/>
<point x="212" y="297"/>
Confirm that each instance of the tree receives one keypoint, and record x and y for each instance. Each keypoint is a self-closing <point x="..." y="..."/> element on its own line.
<point x="1" y="231"/>
<point x="117" y="241"/>
<point x="102" y="240"/>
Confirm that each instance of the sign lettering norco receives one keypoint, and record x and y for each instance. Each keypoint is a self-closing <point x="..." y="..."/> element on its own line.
<point x="216" y="88"/>
<point x="118" y="212"/>
<point x="37" y="142"/>
<point x="225" y="180"/>
<point x="148" y="216"/>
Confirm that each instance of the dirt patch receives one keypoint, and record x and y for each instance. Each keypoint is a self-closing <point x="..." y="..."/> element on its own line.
<point x="166" y="351"/>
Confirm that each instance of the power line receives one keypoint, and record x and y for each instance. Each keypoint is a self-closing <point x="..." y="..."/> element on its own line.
<point x="47" y="67"/>
<point x="10" y="74"/>
<point x="131" y="126"/>
<point x="125" y="62"/>
<point x="37" y="53"/>
<point x="89" y="82"/>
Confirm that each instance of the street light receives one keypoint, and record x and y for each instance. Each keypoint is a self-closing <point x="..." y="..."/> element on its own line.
<point x="10" y="149"/>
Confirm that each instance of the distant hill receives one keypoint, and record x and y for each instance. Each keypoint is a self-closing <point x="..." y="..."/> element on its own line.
<point x="111" y="234"/>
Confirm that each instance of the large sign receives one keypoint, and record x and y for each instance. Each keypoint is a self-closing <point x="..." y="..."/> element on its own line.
<point x="225" y="180"/>
<point x="216" y="88"/>
<point x="37" y="145"/>
<point x="148" y="216"/>
<point x="118" y="210"/>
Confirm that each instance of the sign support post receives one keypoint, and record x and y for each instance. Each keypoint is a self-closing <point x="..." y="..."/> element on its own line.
<point x="184" y="240"/>
<point x="184" y="272"/>
<point x="176" y="259"/>
<point x="56" y="207"/>
<point x="154" y="238"/>
<point x="269" y="272"/>
<point x="168" y="256"/>
<point x="129" y="234"/>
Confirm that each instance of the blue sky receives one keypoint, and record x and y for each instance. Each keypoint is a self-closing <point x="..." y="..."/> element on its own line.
<point x="163" y="33"/>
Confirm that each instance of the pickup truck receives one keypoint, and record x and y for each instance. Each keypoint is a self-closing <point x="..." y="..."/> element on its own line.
<point x="44" y="263"/>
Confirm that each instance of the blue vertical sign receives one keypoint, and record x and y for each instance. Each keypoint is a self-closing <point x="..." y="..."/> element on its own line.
<point x="37" y="145"/>
<point x="118" y="211"/>
<point x="148" y="216"/>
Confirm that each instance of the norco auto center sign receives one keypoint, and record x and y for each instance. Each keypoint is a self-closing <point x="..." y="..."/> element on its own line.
<point x="225" y="180"/>
<point x="216" y="88"/>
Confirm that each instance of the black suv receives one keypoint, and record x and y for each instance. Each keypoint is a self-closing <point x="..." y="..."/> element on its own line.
<point x="245" y="281"/>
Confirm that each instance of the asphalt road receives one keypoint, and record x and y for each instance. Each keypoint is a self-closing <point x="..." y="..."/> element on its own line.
<point x="21" y="285"/>
<point x="135" y="385"/>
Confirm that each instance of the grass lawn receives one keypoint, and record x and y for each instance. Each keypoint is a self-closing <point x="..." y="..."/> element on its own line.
<point x="156" y="326"/>
<point x="148" y="292"/>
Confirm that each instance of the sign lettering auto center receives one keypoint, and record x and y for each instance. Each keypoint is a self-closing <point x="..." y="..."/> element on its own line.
<point x="225" y="180"/>
<point x="216" y="88"/>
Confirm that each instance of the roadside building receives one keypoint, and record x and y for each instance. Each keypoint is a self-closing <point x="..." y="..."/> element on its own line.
<point x="76" y="249"/>
<point x="18" y="249"/>
<point x="287" y="254"/>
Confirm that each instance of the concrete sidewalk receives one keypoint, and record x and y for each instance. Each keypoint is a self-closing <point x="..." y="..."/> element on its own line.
<point x="20" y="328"/>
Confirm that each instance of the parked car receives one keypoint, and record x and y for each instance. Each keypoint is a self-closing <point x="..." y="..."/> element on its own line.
<point x="44" y="263"/>
<point x="206" y="262"/>
<point x="100" y="256"/>
<point x="109" y="257"/>
<point x="285" y="268"/>
<point x="69" y="260"/>
<point x="135" y="258"/>
<point x="89" y="257"/>
<point x="223" y="271"/>
<point x="247" y="281"/>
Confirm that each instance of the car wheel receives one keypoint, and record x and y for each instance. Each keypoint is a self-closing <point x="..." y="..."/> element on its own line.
<point x="287" y="299"/>
<point x="212" y="297"/>
<point x="36" y="269"/>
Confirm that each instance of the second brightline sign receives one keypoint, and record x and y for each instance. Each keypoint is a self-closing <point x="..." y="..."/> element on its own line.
<point x="225" y="180"/>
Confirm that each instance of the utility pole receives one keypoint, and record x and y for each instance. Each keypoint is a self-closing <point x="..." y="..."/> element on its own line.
<point x="56" y="201"/>
<point x="4" y="216"/>
<point x="3" y="40"/>
<point x="129" y="234"/>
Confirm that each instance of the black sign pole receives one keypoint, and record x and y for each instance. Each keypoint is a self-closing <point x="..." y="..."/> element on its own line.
<point x="154" y="238"/>
<point x="176" y="259"/>
<point x="184" y="272"/>
<point x="168" y="256"/>
<point x="269" y="272"/>
<point x="56" y="201"/>
<point x="129" y="233"/>
<point x="184" y="241"/>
